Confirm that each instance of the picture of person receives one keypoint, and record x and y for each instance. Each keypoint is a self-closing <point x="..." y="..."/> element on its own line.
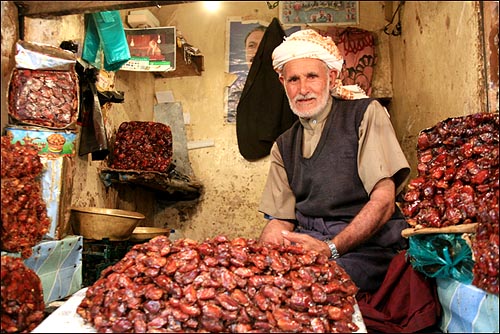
<point x="153" y="49"/>
<point x="322" y="16"/>
<point x="146" y="46"/>
<point x="244" y="43"/>
<point x="252" y="42"/>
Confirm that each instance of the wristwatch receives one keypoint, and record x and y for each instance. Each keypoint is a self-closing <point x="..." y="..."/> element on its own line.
<point x="333" y="249"/>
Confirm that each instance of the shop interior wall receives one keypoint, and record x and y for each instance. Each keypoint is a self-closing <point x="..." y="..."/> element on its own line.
<point x="10" y="34"/>
<point x="438" y="66"/>
<point x="432" y="72"/>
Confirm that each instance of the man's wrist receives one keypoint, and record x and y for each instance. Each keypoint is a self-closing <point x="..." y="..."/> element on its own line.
<point x="333" y="249"/>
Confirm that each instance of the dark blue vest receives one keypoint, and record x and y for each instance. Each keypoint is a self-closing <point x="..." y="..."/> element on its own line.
<point x="327" y="184"/>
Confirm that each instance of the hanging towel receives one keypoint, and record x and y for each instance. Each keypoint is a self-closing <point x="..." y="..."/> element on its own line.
<point x="263" y="112"/>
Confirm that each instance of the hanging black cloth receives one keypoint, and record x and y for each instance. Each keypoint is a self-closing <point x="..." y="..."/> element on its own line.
<point x="93" y="137"/>
<point x="263" y="112"/>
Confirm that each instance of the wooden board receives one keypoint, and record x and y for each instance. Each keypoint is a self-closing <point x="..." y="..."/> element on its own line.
<point x="463" y="228"/>
<point x="46" y="9"/>
<point x="174" y="185"/>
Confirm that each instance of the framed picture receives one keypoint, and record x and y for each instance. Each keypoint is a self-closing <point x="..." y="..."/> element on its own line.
<point x="321" y="13"/>
<point x="151" y="49"/>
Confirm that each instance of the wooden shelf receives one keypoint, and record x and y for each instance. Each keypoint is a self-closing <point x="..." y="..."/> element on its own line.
<point x="182" y="69"/>
<point x="173" y="186"/>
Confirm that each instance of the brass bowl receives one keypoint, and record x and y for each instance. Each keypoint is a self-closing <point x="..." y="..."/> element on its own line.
<point x="145" y="233"/>
<point x="102" y="223"/>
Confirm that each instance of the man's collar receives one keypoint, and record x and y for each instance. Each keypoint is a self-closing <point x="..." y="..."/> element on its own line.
<point x="311" y="122"/>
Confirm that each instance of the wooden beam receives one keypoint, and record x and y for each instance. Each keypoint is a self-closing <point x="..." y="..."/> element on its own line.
<point x="47" y="9"/>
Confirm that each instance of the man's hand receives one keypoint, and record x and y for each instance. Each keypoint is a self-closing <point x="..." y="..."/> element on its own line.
<point x="308" y="242"/>
<point x="272" y="232"/>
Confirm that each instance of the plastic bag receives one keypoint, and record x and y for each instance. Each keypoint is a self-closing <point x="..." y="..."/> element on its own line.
<point x="37" y="56"/>
<point x="443" y="255"/>
<point x="105" y="34"/>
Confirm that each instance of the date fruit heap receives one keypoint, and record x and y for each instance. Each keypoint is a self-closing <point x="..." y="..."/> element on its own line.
<point x="22" y="297"/>
<point x="458" y="172"/>
<point x="458" y="183"/>
<point x="44" y="97"/>
<point x="144" y="146"/>
<point x="220" y="285"/>
<point x="486" y="250"/>
<point x="24" y="212"/>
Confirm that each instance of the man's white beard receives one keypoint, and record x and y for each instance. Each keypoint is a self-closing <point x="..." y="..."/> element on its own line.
<point x="322" y="102"/>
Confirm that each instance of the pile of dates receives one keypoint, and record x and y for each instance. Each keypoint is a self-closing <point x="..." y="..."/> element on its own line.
<point x="24" y="212"/>
<point x="220" y="285"/>
<point x="44" y="97"/>
<point x="143" y="146"/>
<point x="458" y="183"/>
<point x="458" y="172"/>
<point x="486" y="251"/>
<point x="22" y="301"/>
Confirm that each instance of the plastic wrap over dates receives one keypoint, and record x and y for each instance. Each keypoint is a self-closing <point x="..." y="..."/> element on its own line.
<point x="44" y="97"/>
<point x="220" y="285"/>
<point x="144" y="146"/>
<point x="23" y="307"/>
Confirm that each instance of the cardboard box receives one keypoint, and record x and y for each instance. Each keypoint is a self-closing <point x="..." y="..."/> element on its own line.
<point x="57" y="187"/>
<point x="58" y="263"/>
<point x="142" y="18"/>
<point x="57" y="175"/>
<point x="51" y="142"/>
<point x="45" y="97"/>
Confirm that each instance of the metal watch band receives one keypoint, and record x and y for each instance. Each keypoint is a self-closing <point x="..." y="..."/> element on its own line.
<point x="333" y="249"/>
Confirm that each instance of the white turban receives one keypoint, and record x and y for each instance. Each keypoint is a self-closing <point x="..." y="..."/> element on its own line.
<point x="307" y="44"/>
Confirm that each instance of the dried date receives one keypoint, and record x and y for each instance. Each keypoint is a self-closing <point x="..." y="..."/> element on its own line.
<point x="22" y="297"/>
<point x="458" y="183"/>
<point x="145" y="146"/>
<point x="44" y="97"/>
<point x="223" y="296"/>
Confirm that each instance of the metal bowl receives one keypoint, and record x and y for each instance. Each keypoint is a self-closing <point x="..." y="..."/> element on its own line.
<point x="103" y="223"/>
<point x="145" y="233"/>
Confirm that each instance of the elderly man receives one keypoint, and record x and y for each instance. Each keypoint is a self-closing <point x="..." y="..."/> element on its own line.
<point x="335" y="174"/>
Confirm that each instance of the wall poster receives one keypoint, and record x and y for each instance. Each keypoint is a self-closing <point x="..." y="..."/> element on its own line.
<point x="151" y="49"/>
<point x="242" y="41"/>
<point x="319" y="12"/>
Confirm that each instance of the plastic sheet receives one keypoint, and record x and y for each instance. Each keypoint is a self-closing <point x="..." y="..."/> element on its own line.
<point x="445" y="255"/>
<point x="37" y="56"/>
